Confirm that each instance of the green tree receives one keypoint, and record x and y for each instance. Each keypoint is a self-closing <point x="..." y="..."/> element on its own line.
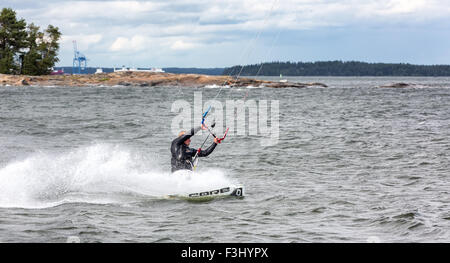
<point x="12" y="40"/>
<point x="25" y="49"/>
<point x="31" y="58"/>
<point x="42" y="50"/>
<point x="49" y="48"/>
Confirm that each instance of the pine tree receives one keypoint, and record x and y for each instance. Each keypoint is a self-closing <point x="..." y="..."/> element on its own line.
<point x="25" y="49"/>
<point x="42" y="50"/>
<point x="49" y="49"/>
<point x="12" y="40"/>
<point x="31" y="59"/>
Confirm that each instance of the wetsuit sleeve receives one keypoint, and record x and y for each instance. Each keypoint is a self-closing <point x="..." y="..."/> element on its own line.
<point x="190" y="152"/>
<point x="183" y="138"/>
<point x="204" y="153"/>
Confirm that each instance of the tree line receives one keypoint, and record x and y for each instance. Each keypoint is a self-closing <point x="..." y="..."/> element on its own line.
<point x="24" y="48"/>
<point x="338" y="68"/>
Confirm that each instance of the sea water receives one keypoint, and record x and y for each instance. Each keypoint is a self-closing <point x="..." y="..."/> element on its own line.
<point x="353" y="163"/>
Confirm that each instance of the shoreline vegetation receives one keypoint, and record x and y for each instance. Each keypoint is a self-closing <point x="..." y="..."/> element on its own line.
<point x="144" y="79"/>
<point x="341" y="68"/>
<point x="308" y="69"/>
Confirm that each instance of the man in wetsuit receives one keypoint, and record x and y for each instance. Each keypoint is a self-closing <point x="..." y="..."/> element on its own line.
<point x="182" y="154"/>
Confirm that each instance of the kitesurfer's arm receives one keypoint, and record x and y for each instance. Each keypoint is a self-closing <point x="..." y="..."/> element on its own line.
<point x="204" y="153"/>
<point x="180" y="140"/>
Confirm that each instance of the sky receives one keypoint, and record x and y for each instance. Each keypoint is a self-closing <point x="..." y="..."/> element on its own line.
<point x="222" y="33"/>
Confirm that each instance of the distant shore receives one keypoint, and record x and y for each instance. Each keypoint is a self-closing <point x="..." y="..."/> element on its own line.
<point x="143" y="79"/>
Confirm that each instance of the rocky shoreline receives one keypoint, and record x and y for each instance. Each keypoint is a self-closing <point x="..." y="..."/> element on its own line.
<point x="144" y="79"/>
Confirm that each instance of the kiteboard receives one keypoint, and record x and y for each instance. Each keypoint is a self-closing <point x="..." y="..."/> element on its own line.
<point x="225" y="191"/>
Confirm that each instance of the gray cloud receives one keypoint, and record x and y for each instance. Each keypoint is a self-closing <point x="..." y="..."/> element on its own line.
<point x="182" y="32"/>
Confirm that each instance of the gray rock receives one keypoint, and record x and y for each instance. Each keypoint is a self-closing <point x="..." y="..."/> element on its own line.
<point x="123" y="83"/>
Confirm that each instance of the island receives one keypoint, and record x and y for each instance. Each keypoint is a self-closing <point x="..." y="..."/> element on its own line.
<point x="144" y="79"/>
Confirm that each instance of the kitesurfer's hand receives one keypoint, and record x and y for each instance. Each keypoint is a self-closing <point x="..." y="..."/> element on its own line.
<point x="217" y="140"/>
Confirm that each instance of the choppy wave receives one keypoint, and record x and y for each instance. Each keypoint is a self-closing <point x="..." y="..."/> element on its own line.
<point x="214" y="86"/>
<point x="97" y="174"/>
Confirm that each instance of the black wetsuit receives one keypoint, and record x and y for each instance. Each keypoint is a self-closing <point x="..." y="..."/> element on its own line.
<point x="182" y="155"/>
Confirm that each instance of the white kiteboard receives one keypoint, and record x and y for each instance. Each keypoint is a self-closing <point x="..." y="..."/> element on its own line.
<point x="208" y="194"/>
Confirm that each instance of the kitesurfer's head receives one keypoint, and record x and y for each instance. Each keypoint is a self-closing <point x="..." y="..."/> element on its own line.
<point x="188" y="141"/>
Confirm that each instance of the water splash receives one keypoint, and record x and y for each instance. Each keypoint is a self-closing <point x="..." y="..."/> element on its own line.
<point x="98" y="174"/>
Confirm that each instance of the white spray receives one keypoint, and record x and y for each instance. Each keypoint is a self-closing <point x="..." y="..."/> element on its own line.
<point x="97" y="174"/>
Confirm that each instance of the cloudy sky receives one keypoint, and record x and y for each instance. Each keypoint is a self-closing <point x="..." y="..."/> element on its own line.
<point x="220" y="33"/>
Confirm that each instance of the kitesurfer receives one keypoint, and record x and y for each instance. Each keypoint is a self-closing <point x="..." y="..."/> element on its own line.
<point x="182" y="154"/>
